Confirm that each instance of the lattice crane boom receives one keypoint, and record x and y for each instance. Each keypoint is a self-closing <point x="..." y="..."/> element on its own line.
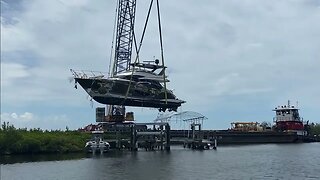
<point x="124" y="36"/>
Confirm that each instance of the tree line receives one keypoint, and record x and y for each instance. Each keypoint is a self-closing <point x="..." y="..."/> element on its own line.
<point x="32" y="141"/>
<point x="315" y="129"/>
<point x="23" y="141"/>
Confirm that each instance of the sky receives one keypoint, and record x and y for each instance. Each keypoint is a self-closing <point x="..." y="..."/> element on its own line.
<point x="230" y="60"/>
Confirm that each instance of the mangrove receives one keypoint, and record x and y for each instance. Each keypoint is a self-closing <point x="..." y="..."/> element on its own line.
<point x="35" y="141"/>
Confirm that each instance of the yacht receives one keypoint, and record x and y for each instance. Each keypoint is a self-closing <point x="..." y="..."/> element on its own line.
<point x="140" y="86"/>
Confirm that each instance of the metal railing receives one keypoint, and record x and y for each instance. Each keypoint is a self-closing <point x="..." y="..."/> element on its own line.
<point x="287" y="119"/>
<point x="84" y="74"/>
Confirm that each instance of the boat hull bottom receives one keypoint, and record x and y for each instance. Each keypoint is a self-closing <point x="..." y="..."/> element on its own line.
<point x="115" y="93"/>
<point x="161" y="105"/>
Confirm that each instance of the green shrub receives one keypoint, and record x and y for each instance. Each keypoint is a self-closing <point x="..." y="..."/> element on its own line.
<point x="315" y="129"/>
<point x="22" y="141"/>
<point x="28" y="145"/>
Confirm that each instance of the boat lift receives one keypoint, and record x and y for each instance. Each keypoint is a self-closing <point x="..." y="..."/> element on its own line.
<point x="196" y="139"/>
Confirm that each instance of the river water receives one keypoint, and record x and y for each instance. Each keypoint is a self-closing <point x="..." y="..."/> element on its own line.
<point x="266" y="161"/>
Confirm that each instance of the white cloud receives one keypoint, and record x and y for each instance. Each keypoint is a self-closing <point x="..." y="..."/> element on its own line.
<point x="30" y="120"/>
<point x="62" y="35"/>
<point x="12" y="73"/>
<point x="13" y="115"/>
<point x="27" y="116"/>
<point x="15" y="39"/>
<point x="75" y="3"/>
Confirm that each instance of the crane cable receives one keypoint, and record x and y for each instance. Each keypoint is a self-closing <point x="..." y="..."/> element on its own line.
<point x="112" y="43"/>
<point x="162" y="57"/>
<point x="140" y="44"/>
<point x="111" y="70"/>
<point x="138" y="50"/>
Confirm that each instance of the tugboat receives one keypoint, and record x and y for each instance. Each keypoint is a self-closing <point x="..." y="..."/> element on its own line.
<point x="288" y="120"/>
<point x="288" y="128"/>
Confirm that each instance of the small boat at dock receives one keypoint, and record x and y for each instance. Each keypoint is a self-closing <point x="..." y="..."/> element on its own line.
<point x="97" y="144"/>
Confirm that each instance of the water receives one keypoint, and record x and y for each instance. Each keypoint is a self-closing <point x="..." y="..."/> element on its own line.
<point x="268" y="161"/>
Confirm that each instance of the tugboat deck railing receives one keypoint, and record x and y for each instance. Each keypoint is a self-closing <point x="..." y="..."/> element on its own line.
<point x="287" y="119"/>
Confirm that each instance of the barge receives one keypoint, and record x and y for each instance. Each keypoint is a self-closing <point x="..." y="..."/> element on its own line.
<point x="288" y="128"/>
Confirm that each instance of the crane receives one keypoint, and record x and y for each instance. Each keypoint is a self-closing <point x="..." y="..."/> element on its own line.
<point x="131" y="83"/>
<point x="124" y="36"/>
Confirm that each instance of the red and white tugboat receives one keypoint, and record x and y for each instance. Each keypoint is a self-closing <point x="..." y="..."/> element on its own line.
<point x="288" y="119"/>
